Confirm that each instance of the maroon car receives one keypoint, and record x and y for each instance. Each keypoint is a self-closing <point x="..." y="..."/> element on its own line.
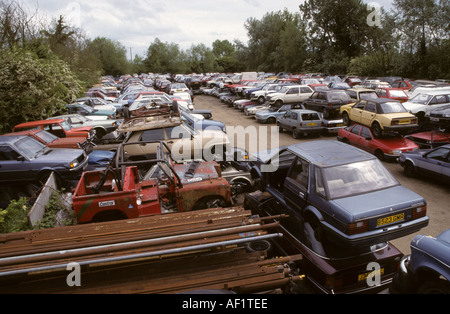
<point x="54" y="141"/>
<point x="387" y="148"/>
<point x="58" y="127"/>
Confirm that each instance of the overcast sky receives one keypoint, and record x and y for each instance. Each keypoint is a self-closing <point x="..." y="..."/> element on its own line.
<point x="137" y="23"/>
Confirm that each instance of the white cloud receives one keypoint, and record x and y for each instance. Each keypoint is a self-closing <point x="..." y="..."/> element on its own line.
<point x="137" y="23"/>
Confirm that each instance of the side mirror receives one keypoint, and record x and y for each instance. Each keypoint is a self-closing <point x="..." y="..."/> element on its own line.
<point x="20" y="158"/>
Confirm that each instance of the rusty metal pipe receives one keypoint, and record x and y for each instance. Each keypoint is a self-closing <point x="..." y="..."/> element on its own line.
<point x="129" y="245"/>
<point x="143" y="255"/>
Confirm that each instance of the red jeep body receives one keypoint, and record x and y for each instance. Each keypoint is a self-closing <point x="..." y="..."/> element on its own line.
<point x="152" y="195"/>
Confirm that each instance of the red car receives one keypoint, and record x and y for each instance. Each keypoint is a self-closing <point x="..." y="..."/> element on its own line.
<point x="392" y="93"/>
<point x="405" y="85"/>
<point x="430" y="139"/>
<point x="58" y="127"/>
<point x="53" y="141"/>
<point x="387" y="148"/>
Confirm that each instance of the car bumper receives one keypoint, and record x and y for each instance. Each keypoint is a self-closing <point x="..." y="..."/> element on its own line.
<point x="372" y="237"/>
<point x="398" y="128"/>
<point x="403" y="281"/>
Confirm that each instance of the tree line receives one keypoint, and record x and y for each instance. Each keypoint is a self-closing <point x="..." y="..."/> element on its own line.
<point x="44" y="66"/>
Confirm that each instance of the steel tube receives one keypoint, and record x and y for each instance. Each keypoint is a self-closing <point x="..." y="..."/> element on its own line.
<point x="143" y="255"/>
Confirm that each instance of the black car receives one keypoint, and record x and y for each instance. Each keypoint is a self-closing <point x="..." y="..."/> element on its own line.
<point x="23" y="159"/>
<point x="328" y="102"/>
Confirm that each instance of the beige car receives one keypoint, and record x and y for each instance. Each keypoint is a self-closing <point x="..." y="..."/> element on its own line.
<point x="185" y="142"/>
<point x="382" y="115"/>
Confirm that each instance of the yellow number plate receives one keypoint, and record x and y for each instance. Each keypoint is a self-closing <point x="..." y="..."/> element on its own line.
<point x="311" y="124"/>
<point x="406" y="121"/>
<point x="390" y="219"/>
<point x="364" y="276"/>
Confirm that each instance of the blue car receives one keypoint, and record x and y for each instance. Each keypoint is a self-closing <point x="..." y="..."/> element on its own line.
<point x="343" y="194"/>
<point x="273" y="113"/>
<point x="434" y="163"/>
<point x="427" y="269"/>
<point x="24" y="159"/>
<point x="198" y="122"/>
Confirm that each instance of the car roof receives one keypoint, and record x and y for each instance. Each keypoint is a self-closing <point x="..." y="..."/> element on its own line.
<point x="39" y="122"/>
<point x="381" y="100"/>
<point x="328" y="153"/>
<point x="10" y="138"/>
<point x="303" y="111"/>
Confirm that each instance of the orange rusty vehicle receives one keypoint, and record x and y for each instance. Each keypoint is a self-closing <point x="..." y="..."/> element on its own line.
<point x="134" y="189"/>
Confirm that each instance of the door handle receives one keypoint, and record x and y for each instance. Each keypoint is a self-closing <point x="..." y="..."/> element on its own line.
<point x="301" y="194"/>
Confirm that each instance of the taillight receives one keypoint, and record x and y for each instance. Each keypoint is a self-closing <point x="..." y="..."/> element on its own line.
<point x="357" y="227"/>
<point x="419" y="212"/>
<point x="332" y="282"/>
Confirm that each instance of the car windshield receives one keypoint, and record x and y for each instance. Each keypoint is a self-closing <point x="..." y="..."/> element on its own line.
<point x="392" y="107"/>
<point x="66" y="125"/>
<point x="421" y="99"/>
<point x="397" y="93"/>
<point x="87" y="108"/>
<point x="355" y="178"/>
<point x="46" y="136"/>
<point x="339" y="96"/>
<point x="284" y="89"/>
<point x="29" y="147"/>
<point x="368" y="95"/>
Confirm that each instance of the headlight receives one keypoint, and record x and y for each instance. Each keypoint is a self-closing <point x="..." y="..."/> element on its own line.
<point x="73" y="163"/>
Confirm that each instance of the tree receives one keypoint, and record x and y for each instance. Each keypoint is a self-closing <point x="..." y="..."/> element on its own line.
<point x="33" y="88"/>
<point x="225" y="56"/>
<point x="112" y="56"/>
<point x="165" y="58"/>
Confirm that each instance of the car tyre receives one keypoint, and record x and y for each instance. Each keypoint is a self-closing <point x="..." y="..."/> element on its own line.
<point x="410" y="170"/>
<point x="346" y="119"/>
<point x="436" y="286"/>
<point x="295" y="133"/>
<point x="376" y="130"/>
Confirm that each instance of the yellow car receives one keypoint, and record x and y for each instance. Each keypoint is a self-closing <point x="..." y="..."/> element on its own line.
<point x="382" y="115"/>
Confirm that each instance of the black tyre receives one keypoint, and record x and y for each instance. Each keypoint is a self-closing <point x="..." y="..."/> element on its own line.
<point x="376" y="130"/>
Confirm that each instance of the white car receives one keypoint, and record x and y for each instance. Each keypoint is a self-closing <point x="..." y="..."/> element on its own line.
<point x="290" y="94"/>
<point x="421" y="104"/>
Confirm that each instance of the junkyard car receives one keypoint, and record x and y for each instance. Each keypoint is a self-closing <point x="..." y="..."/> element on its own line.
<point x="440" y="116"/>
<point x="345" y="194"/>
<point x="392" y="93"/>
<point x="382" y="115"/>
<point x="327" y="102"/>
<point x="290" y="94"/>
<point x="58" y="127"/>
<point x="23" y="159"/>
<point x="361" y="93"/>
<point x="426" y="270"/>
<point x="184" y="141"/>
<point x="423" y="103"/>
<point x="434" y="163"/>
<point x="270" y="115"/>
<point x="54" y="141"/>
<point x="301" y="122"/>
<point x="104" y="129"/>
<point x="86" y="110"/>
<point x="385" y="149"/>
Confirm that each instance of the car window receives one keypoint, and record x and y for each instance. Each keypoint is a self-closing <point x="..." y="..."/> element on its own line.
<point x="153" y="135"/>
<point x="293" y="116"/>
<point x="440" y="154"/>
<point x="361" y="104"/>
<point x="300" y="172"/>
<point x="370" y="107"/>
<point x="293" y="90"/>
<point x="365" y="133"/>
<point x="7" y="153"/>
<point x="305" y="90"/>
<point x="356" y="129"/>
<point x="310" y="116"/>
<point x="177" y="132"/>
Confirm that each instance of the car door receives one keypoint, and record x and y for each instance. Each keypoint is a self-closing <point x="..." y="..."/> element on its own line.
<point x="368" y="113"/>
<point x="283" y="121"/>
<point x="296" y="184"/>
<point x="292" y="95"/>
<point x="356" y="111"/>
<point x="11" y="168"/>
<point x="433" y="162"/>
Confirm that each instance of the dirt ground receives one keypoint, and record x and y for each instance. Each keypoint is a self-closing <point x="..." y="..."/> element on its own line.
<point x="436" y="194"/>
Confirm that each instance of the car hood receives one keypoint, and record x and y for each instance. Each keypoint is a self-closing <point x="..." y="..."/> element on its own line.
<point x="67" y="142"/>
<point x="59" y="155"/>
<point x="100" y="157"/>
<point x="376" y="203"/>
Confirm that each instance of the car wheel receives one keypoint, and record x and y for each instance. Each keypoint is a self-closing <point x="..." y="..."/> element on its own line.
<point x="312" y="239"/>
<point x="295" y="133"/>
<point x="261" y="100"/>
<point x="379" y="154"/>
<point x="346" y="118"/>
<point x="376" y="130"/>
<point x="280" y="129"/>
<point x="410" y="170"/>
<point x="437" y="286"/>
<point x="271" y="120"/>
